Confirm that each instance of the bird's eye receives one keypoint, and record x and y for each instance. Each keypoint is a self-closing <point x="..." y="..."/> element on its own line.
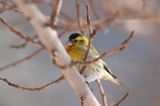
<point x="74" y="41"/>
<point x="81" y="41"/>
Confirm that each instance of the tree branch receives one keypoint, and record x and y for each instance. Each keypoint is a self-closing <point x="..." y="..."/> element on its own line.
<point x="28" y="88"/>
<point x="78" y="16"/>
<point x="102" y="93"/>
<point x="55" y="12"/>
<point x="91" y="4"/>
<point x="20" y="35"/>
<point x="98" y="24"/>
<point x="122" y="99"/>
<point x="92" y="33"/>
<point x="20" y="60"/>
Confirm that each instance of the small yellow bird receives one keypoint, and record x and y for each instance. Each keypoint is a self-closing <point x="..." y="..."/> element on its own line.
<point x="76" y="48"/>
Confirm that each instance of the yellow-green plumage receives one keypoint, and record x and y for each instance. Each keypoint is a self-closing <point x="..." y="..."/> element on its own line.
<point x="76" y="49"/>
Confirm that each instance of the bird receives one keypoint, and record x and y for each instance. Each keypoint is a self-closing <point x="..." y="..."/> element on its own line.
<point x="76" y="47"/>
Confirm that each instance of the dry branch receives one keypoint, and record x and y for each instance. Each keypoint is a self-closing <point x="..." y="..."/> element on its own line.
<point x="66" y="16"/>
<point x="122" y="99"/>
<point x="98" y="24"/>
<point x="19" y="46"/>
<point x="20" y="35"/>
<point x="20" y="60"/>
<point x="55" y="12"/>
<point x="78" y="16"/>
<point x="23" y="45"/>
<point x="92" y="33"/>
<point x="92" y="6"/>
<point x="102" y="93"/>
<point x="28" y="88"/>
<point x="88" y="20"/>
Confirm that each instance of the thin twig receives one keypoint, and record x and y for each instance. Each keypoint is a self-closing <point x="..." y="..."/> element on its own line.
<point x="23" y="45"/>
<point x="89" y="38"/>
<point x="102" y="93"/>
<point x="93" y="9"/>
<point x="122" y="99"/>
<point x="67" y="17"/>
<point x="120" y="47"/>
<point x="88" y="19"/>
<point x="55" y="12"/>
<point x="20" y="35"/>
<point x="78" y="16"/>
<point x="31" y="89"/>
<point x="20" y="60"/>
<point x="90" y="31"/>
<point x="97" y="24"/>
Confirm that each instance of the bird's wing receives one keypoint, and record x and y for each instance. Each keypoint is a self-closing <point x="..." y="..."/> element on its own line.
<point x="93" y="54"/>
<point x="109" y="71"/>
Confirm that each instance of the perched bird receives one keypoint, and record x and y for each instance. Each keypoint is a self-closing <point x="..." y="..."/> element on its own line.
<point x="76" y="48"/>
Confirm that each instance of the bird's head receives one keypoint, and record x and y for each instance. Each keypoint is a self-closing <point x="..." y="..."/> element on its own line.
<point x="76" y="39"/>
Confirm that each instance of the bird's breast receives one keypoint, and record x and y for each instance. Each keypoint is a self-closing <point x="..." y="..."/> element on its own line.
<point x="77" y="54"/>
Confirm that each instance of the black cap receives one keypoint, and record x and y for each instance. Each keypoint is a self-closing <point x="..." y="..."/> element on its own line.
<point x="74" y="35"/>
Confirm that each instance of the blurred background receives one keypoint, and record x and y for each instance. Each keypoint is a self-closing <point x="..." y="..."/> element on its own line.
<point x="138" y="66"/>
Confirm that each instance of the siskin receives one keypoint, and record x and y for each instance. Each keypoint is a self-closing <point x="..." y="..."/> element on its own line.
<point x="76" y="48"/>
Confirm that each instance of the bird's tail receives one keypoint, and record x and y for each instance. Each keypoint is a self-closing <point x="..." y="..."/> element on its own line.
<point x="109" y="76"/>
<point x="112" y="79"/>
<point x="116" y="81"/>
